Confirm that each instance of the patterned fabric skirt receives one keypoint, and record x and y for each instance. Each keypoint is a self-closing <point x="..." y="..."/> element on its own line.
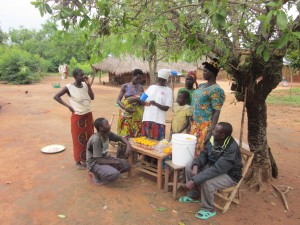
<point x="153" y="130"/>
<point x="200" y="131"/>
<point x="81" y="129"/>
<point x="130" y="125"/>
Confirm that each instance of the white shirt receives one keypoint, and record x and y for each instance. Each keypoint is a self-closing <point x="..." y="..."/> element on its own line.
<point x="161" y="95"/>
<point x="79" y="99"/>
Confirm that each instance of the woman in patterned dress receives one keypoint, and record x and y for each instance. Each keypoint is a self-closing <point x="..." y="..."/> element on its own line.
<point x="131" y="113"/>
<point x="207" y="102"/>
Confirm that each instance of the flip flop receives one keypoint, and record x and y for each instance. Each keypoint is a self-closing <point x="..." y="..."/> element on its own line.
<point x="94" y="179"/>
<point x="204" y="215"/>
<point x="186" y="199"/>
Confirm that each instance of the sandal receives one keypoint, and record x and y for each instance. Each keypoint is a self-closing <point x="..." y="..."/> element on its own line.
<point x="187" y="199"/>
<point x="204" y="215"/>
<point x="79" y="166"/>
<point x="94" y="178"/>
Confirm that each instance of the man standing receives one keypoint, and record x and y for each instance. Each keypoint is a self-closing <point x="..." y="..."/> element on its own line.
<point x="102" y="167"/>
<point x="217" y="167"/>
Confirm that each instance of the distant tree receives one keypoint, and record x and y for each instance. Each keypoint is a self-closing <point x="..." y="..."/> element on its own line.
<point x="3" y="37"/>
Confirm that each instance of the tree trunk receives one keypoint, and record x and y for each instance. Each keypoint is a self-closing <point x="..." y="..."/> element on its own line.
<point x="152" y="67"/>
<point x="263" y="165"/>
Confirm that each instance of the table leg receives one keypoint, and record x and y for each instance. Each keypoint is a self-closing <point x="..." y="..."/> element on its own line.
<point x="159" y="173"/>
<point x="167" y="169"/>
<point x="130" y="160"/>
<point x="175" y="184"/>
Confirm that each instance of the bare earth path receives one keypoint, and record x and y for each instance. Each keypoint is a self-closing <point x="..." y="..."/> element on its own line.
<point x="35" y="188"/>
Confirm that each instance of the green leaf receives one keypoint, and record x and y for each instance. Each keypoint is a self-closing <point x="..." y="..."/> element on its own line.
<point x="298" y="7"/>
<point x="260" y="49"/>
<point x="266" y="22"/>
<point x="36" y="4"/>
<point x="218" y="20"/>
<point x="282" y="41"/>
<point x="272" y="4"/>
<point x="67" y="11"/>
<point x="83" y="23"/>
<point x="160" y="209"/>
<point x="266" y="54"/>
<point x="48" y="8"/>
<point x="281" y="20"/>
<point x="296" y="34"/>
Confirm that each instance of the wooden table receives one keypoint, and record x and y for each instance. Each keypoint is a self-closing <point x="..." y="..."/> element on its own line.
<point x="153" y="170"/>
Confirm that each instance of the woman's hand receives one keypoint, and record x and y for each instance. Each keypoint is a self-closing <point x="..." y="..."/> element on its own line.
<point x="87" y="80"/>
<point x="207" y="137"/>
<point x="130" y="110"/>
<point x="71" y="109"/>
<point x="133" y="99"/>
<point x="153" y="103"/>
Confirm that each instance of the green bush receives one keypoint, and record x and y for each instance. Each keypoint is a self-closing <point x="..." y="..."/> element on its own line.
<point x="84" y="66"/>
<point x="18" y="66"/>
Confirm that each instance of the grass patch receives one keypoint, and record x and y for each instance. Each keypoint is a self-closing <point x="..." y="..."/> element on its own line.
<point x="289" y="96"/>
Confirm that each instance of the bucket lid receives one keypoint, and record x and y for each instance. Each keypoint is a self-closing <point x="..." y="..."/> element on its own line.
<point x="187" y="138"/>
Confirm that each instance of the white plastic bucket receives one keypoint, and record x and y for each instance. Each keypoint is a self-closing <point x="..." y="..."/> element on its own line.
<point x="183" y="149"/>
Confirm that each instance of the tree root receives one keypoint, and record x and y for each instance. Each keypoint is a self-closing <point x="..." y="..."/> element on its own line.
<point x="257" y="180"/>
<point x="273" y="164"/>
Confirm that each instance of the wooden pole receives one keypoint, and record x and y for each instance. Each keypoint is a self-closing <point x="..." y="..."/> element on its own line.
<point x="243" y="119"/>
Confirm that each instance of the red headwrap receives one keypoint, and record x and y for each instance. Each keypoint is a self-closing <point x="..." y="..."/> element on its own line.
<point x="193" y="74"/>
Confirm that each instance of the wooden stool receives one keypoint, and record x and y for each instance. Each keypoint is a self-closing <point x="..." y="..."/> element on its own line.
<point x="175" y="183"/>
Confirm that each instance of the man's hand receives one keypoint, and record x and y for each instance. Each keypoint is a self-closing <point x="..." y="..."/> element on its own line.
<point x="190" y="185"/>
<point x="117" y="165"/>
<point x="128" y="150"/>
<point x="195" y="170"/>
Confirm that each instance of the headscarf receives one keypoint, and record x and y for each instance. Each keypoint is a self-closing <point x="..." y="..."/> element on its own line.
<point x="193" y="74"/>
<point x="212" y="66"/>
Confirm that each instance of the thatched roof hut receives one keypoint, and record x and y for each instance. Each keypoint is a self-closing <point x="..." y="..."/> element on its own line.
<point x="120" y="69"/>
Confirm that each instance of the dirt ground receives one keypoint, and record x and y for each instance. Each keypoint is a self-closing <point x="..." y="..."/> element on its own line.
<point x="35" y="188"/>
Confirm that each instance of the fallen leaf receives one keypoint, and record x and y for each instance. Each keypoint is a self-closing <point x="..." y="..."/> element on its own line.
<point x="105" y="207"/>
<point x="153" y="206"/>
<point x="174" y="211"/>
<point x="273" y="203"/>
<point x="8" y="182"/>
<point x="61" y="216"/>
<point x="160" y="209"/>
<point x="181" y="223"/>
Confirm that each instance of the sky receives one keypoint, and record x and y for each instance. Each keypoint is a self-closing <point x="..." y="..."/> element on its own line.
<point x="16" y="13"/>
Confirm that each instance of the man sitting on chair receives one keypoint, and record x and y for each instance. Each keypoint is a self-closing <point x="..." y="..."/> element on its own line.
<point x="217" y="167"/>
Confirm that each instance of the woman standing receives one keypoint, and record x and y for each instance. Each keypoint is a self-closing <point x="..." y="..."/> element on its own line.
<point x="207" y="102"/>
<point x="80" y="95"/>
<point x="158" y="102"/>
<point x="131" y="114"/>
